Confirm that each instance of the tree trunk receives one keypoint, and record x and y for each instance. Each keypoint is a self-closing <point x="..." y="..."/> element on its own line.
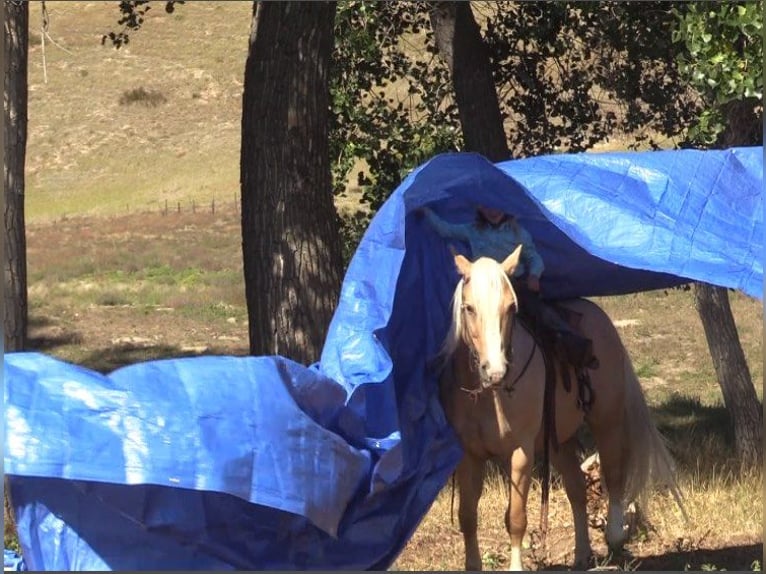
<point x="15" y="44"/>
<point x="290" y="233"/>
<point x="731" y="369"/>
<point x="16" y="19"/>
<point x="740" y="398"/>
<point x="461" y="46"/>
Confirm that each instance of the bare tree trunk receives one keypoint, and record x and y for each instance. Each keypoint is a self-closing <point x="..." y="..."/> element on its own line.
<point x="290" y="233"/>
<point x="714" y="310"/>
<point x="16" y="19"/>
<point x="15" y="44"/>
<point x="461" y="46"/>
<point x="731" y="369"/>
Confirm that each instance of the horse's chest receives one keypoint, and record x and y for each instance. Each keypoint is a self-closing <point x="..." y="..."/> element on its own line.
<point x="483" y="433"/>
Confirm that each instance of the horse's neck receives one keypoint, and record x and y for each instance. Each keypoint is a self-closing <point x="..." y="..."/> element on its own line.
<point x="522" y="336"/>
<point x="463" y="368"/>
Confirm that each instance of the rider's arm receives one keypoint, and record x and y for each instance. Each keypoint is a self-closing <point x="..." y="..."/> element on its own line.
<point x="446" y="229"/>
<point x="529" y="255"/>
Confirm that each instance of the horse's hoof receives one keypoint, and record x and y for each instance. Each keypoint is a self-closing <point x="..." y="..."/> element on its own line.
<point x="584" y="562"/>
<point x="616" y="537"/>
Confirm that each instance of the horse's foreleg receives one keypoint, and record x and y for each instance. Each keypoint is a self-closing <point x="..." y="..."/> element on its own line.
<point x="470" y="480"/>
<point x="567" y="464"/>
<point x="516" y="515"/>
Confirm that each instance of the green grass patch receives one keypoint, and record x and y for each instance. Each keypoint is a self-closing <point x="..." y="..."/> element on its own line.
<point x="647" y="368"/>
<point x="215" y="311"/>
<point x="168" y="276"/>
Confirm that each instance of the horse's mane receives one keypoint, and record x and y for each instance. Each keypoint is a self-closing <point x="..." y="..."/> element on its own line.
<point x="487" y="281"/>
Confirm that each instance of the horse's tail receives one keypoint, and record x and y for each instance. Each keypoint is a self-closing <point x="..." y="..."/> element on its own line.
<point x="648" y="461"/>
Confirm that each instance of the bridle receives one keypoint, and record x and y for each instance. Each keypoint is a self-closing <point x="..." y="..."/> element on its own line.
<point x="473" y="354"/>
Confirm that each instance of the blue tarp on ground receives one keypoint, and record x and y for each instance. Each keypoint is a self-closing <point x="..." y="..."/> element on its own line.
<point x="261" y="463"/>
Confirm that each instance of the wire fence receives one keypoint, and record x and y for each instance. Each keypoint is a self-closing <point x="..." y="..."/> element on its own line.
<point x="193" y="205"/>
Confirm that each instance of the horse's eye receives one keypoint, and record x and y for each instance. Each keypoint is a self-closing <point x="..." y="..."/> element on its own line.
<point x="469" y="309"/>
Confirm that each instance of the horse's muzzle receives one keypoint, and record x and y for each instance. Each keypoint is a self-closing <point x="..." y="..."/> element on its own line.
<point x="492" y="379"/>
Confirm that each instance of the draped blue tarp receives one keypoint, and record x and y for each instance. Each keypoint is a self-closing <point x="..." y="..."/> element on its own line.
<point x="261" y="463"/>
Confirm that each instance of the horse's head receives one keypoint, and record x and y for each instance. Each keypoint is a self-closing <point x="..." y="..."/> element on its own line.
<point x="484" y="308"/>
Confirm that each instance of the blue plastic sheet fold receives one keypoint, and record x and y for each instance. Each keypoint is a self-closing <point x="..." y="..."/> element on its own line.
<point x="256" y="463"/>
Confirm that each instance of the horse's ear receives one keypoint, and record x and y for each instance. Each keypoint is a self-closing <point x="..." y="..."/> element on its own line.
<point x="463" y="265"/>
<point x="512" y="261"/>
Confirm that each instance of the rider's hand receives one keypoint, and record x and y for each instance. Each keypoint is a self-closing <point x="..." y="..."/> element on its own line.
<point x="533" y="283"/>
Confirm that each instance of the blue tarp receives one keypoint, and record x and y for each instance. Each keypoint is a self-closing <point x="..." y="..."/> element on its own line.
<point x="261" y="463"/>
<point x="12" y="561"/>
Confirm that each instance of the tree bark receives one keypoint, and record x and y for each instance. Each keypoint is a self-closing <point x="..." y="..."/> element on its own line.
<point x="740" y="398"/>
<point x="15" y="45"/>
<point x="290" y="234"/>
<point x="16" y="20"/>
<point x="461" y="46"/>
<point x="732" y="371"/>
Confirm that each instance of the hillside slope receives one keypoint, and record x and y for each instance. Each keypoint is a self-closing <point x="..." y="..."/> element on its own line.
<point x="123" y="130"/>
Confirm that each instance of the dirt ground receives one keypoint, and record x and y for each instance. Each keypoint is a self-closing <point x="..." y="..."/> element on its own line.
<point x="112" y="291"/>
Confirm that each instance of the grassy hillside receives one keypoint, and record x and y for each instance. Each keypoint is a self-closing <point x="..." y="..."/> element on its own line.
<point x="123" y="130"/>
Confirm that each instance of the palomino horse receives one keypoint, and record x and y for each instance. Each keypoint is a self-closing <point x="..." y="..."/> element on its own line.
<point x="493" y="397"/>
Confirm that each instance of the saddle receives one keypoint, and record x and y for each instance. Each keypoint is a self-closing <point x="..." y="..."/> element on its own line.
<point x="562" y="351"/>
<point x="575" y="351"/>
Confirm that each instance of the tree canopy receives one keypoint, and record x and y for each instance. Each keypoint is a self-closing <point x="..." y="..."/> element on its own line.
<point x="569" y="75"/>
<point x="723" y="60"/>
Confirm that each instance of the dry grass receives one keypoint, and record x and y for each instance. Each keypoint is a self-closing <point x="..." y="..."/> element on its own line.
<point x="116" y="132"/>
<point x="90" y="151"/>
<point x="725" y="507"/>
<point x="105" y="292"/>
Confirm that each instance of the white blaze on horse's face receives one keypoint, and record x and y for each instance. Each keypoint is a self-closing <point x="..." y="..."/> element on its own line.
<point x="487" y="313"/>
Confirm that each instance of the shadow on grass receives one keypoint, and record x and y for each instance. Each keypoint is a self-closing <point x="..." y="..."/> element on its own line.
<point x="699" y="436"/>
<point x="732" y="558"/>
<point x="739" y="558"/>
<point x="45" y="336"/>
<point x="112" y="358"/>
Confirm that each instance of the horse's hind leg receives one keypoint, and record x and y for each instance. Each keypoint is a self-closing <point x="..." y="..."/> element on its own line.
<point x="516" y="515"/>
<point x="609" y="443"/>
<point x="566" y="461"/>
<point x="470" y="480"/>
